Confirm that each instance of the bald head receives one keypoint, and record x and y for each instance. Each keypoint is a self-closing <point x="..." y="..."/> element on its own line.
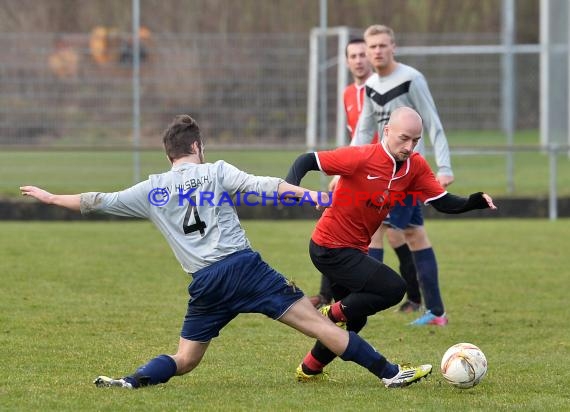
<point x="403" y="132"/>
<point x="408" y="117"/>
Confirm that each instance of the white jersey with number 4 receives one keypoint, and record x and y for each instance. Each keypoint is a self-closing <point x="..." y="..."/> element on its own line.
<point x="405" y="86"/>
<point x="193" y="207"/>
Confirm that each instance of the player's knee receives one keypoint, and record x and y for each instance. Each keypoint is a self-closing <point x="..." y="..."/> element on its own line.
<point x="397" y="291"/>
<point x="396" y="238"/>
<point x="393" y="292"/>
<point x="185" y="364"/>
<point x="417" y="238"/>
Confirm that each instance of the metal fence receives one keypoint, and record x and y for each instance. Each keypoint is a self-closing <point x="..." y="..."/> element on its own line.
<point x="76" y="90"/>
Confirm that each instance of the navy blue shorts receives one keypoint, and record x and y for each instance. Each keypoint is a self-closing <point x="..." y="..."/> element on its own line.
<point x="407" y="215"/>
<point x="240" y="283"/>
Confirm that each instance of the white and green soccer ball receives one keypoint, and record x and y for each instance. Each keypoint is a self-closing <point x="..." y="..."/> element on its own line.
<point x="464" y="365"/>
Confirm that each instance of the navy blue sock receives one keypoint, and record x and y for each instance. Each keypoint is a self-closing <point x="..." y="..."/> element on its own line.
<point x="360" y="351"/>
<point x="426" y="265"/>
<point x="155" y="371"/>
<point x="376" y="253"/>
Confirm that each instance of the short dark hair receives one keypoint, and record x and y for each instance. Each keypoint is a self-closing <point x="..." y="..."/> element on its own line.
<point x="179" y="137"/>
<point x="356" y="40"/>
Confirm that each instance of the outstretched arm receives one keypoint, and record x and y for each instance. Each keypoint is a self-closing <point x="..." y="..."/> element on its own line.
<point x="455" y="204"/>
<point x="131" y="202"/>
<point x="71" y="202"/>
<point x="296" y="192"/>
<point x="300" y="167"/>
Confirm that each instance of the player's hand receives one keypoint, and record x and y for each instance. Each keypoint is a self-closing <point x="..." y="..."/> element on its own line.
<point x="445" y="180"/>
<point x="321" y="199"/>
<point x="489" y="201"/>
<point x="37" y="193"/>
<point x="333" y="183"/>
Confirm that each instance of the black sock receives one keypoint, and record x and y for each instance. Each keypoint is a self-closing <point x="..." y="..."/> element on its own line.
<point x="409" y="273"/>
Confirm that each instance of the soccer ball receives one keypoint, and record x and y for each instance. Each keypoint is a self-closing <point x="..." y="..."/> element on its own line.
<point x="464" y="365"/>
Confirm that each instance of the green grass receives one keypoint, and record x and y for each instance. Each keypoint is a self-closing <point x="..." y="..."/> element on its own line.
<point x="81" y="299"/>
<point x="79" y="171"/>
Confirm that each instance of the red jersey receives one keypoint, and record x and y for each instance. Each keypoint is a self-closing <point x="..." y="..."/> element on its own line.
<point x="353" y="101"/>
<point x="368" y="187"/>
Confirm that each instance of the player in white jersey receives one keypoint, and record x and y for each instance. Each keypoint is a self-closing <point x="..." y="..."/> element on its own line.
<point x="193" y="205"/>
<point x="395" y="85"/>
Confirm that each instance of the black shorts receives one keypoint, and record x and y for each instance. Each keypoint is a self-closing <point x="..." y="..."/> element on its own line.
<point x="368" y="285"/>
<point x="348" y="267"/>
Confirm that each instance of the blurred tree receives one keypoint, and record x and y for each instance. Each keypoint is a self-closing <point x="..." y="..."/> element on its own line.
<point x="64" y="60"/>
<point x="275" y="16"/>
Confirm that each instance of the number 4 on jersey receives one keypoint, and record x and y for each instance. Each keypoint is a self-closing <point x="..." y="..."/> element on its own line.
<point x="198" y="224"/>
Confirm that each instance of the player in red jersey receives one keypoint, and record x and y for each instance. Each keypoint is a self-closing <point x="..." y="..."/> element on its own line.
<point x="369" y="174"/>
<point x="353" y="98"/>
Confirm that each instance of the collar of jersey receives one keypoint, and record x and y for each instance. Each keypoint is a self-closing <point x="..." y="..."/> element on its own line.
<point x="184" y="165"/>
<point x="404" y="170"/>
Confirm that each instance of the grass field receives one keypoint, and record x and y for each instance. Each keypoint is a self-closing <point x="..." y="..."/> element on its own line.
<point x="82" y="299"/>
<point x="78" y="171"/>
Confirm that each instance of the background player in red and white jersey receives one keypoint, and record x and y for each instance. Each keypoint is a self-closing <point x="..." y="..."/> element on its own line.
<point x="353" y="96"/>
<point x="362" y="285"/>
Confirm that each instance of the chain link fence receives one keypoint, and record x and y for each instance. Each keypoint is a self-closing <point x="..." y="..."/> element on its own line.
<point x="70" y="90"/>
<point x="65" y="90"/>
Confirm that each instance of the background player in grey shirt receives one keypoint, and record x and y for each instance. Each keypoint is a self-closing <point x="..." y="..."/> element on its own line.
<point x="394" y="85"/>
<point x="192" y="205"/>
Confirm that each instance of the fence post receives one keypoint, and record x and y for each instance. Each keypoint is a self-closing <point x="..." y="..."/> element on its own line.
<point x="342" y="82"/>
<point x="312" y="94"/>
<point x="508" y="86"/>
<point x="553" y="196"/>
<point x="323" y="98"/>
<point x="136" y="92"/>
